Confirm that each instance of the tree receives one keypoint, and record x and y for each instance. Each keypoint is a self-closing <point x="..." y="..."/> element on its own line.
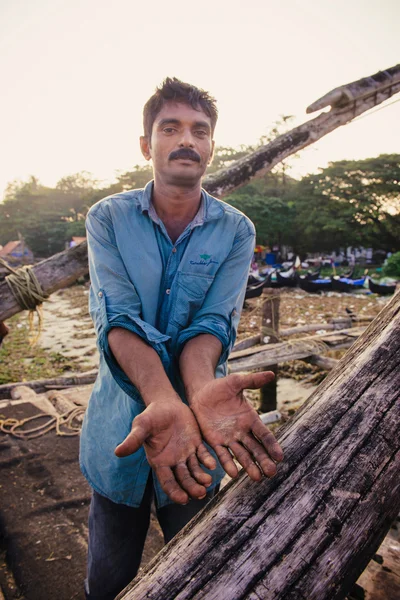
<point x="351" y="203"/>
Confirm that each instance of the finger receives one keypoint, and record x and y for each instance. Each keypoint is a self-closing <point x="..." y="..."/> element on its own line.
<point x="199" y="475"/>
<point x="135" y="439"/>
<point x="170" y="485"/>
<point x="188" y="483"/>
<point x="244" y="458"/>
<point x="205" y="457"/>
<point x="226" y="460"/>
<point x="251" y="381"/>
<point x="267" y="465"/>
<point x="268" y="440"/>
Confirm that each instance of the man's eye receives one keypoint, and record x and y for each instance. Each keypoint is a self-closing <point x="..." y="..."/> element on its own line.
<point x="168" y="129"/>
<point x="201" y="132"/>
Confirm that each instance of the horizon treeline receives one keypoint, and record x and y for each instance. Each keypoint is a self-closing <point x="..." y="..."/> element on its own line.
<point x="349" y="203"/>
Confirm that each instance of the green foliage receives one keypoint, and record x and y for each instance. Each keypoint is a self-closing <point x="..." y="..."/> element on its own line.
<point x="349" y="203"/>
<point x="392" y="267"/>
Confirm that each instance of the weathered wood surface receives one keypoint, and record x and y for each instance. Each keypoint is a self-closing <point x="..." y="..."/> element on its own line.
<point x="261" y="357"/>
<point x="336" y="324"/>
<point x="309" y="532"/>
<point x="43" y="385"/>
<point x="54" y="273"/>
<point x="324" y="362"/>
<point x="347" y="102"/>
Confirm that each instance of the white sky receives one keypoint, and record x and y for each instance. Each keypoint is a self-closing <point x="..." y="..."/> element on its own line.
<point x="75" y="74"/>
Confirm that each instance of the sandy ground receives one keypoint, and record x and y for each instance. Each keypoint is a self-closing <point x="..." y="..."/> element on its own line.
<point x="44" y="511"/>
<point x="68" y="328"/>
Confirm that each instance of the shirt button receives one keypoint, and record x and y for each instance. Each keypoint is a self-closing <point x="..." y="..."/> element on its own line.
<point x="174" y="250"/>
<point x="168" y="292"/>
<point x="100" y="294"/>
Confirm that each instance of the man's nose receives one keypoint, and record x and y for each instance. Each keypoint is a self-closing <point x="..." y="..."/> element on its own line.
<point x="186" y="140"/>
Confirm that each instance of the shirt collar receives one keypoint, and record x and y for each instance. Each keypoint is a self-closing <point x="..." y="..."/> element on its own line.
<point x="210" y="208"/>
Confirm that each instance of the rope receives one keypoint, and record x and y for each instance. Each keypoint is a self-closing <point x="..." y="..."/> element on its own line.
<point x="65" y="420"/>
<point x="28" y="293"/>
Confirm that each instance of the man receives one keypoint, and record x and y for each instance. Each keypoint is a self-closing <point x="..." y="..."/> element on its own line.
<point x="168" y="267"/>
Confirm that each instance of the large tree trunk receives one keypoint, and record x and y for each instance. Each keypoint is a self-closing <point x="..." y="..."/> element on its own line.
<point x="309" y="532"/>
<point x="347" y="102"/>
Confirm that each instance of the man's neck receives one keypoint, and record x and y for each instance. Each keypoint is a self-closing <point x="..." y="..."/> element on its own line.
<point x="176" y="207"/>
<point x="176" y="203"/>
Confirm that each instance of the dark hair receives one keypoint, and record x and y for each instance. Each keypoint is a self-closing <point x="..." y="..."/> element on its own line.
<point x="174" y="89"/>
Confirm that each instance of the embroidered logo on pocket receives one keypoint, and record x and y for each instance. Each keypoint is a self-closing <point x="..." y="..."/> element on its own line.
<point x="205" y="260"/>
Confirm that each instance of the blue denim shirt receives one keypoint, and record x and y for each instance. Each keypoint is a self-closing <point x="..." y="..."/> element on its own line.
<point x="167" y="294"/>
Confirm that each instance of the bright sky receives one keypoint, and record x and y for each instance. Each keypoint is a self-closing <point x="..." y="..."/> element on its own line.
<point x="75" y="75"/>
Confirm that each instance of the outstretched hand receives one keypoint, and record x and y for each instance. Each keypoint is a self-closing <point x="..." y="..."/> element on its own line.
<point x="231" y="426"/>
<point x="174" y="449"/>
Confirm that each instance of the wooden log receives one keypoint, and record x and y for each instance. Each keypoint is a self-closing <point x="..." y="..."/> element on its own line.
<point x="328" y="338"/>
<point x="310" y="531"/>
<point x="347" y="102"/>
<point x="54" y="273"/>
<point x="342" y="324"/>
<point x="41" y="386"/>
<point x="247" y="343"/>
<point x="279" y="353"/>
<point x="324" y="362"/>
<point x="269" y="334"/>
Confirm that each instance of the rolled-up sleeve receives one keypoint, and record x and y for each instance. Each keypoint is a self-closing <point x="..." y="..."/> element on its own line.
<point x="114" y="301"/>
<point x="221" y="309"/>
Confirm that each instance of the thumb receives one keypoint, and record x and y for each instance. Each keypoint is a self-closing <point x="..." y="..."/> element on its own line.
<point x="134" y="440"/>
<point x="253" y="381"/>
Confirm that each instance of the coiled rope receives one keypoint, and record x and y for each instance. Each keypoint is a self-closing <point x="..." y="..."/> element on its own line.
<point x="14" y="426"/>
<point x="28" y="293"/>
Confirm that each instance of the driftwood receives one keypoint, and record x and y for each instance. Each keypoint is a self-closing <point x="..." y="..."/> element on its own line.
<point x="347" y="102"/>
<point x="324" y="362"/>
<point x="335" y="324"/>
<point x="267" y="355"/>
<point x="309" y="532"/>
<point x="40" y="386"/>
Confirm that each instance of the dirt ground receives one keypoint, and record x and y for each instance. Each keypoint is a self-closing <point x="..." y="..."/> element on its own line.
<point x="44" y="499"/>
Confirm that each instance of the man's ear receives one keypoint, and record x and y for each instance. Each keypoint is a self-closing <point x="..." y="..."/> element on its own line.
<point x="145" y="147"/>
<point x="212" y="152"/>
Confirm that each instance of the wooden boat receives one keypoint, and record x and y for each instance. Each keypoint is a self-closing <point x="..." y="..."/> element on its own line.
<point x="315" y="286"/>
<point x="347" y="285"/>
<point x="286" y="278"/>
<point x="254" y="291"/>
<point x="383" y="289"/>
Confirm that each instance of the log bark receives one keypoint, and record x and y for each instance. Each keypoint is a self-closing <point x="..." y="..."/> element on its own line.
<point x="310" y="531"/>
<point x="347" y="102"/>
<point x="54" y="273"/>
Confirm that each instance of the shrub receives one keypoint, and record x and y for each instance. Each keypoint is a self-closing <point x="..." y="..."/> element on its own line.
<point x="392" y="266"/>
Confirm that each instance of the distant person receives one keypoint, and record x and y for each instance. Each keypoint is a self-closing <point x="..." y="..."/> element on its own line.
<point x="168" y="268"/>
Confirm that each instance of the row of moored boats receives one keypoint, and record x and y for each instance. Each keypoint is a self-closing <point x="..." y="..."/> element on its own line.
<point x="314" y="283"/>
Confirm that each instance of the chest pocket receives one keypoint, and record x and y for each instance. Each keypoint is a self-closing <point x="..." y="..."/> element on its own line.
<point x="190" y="294"/>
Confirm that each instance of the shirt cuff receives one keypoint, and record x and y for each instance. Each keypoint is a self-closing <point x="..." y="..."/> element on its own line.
<point x="218" y="327"/>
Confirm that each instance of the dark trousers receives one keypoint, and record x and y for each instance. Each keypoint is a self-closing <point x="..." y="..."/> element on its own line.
<point x="116" y="539"/>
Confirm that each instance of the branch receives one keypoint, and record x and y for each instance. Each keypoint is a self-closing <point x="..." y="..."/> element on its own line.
<point x="347" y="102"/>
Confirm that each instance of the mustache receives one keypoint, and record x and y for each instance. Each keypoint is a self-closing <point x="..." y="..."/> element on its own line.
<point x="185" y="153"/>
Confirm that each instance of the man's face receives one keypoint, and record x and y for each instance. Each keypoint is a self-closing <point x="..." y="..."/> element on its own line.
<point x="181" y="144"/>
